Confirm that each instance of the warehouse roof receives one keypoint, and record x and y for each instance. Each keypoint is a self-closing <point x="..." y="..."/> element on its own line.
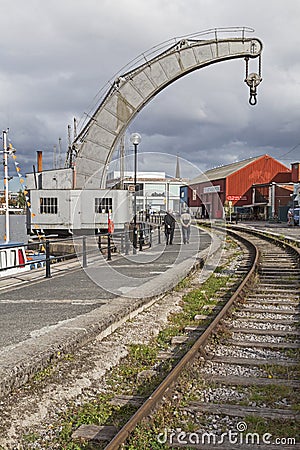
<point x="221" y="172"/>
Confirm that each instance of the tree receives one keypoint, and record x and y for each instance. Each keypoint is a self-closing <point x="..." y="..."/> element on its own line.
<point x="21" y="200"/>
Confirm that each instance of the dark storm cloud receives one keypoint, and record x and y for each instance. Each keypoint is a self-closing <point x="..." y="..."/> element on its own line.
<point x="55" y="57"/>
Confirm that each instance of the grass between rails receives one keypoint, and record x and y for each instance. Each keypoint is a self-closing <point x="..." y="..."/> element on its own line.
<point x="173" y="418"/>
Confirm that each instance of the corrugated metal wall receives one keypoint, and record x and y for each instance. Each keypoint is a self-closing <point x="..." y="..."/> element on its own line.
<point x="262" y="170"/>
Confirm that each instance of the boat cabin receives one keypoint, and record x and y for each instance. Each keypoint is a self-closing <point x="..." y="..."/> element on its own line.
<point x="12" y="258"/>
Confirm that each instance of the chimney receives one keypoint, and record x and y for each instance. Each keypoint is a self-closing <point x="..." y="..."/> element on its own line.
<point x="295" y="172"/>
<point x="39" y="161"/>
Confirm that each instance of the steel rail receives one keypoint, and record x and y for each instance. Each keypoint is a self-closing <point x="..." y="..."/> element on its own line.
<point x="286" y="242"/>
<point x="163" y="388"/>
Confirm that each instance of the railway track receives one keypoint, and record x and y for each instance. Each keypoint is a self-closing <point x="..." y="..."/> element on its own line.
<point x="238" y="384"/>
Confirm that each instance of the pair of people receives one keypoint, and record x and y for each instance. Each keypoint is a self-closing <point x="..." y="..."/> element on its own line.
<point x="169" y="223"/>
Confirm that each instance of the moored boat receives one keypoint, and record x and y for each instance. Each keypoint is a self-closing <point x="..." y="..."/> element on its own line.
<point x="13" y="258"/>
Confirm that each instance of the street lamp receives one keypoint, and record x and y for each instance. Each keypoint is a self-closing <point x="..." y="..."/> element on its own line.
<point x="135" y="139"/>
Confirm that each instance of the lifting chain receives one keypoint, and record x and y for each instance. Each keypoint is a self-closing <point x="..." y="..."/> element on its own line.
<point x="253" y="80"/>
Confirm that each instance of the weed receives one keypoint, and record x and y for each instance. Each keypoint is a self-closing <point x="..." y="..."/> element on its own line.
<point x="143" y="354"/>
<point x="270" y="395"/>
<point x="43" y="374"/>
<point x="164" y="337"/>
<point x="277" y="428"/>
<point x="29" y="437"/>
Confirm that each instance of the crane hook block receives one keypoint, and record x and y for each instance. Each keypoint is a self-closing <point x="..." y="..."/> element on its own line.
<point x="253" y="80"/>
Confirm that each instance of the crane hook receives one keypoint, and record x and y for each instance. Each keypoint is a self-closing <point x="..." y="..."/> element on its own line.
<point x="253" y="80"/>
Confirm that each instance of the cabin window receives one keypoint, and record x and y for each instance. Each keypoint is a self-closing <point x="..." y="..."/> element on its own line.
<point x="3" y="260"/>
<point x="13" y="258"/>
<point x="48" y="205"/>
<point x="103" y="205"/>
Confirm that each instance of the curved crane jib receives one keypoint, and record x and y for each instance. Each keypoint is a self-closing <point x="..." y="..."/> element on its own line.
<point x="131" y="91"/>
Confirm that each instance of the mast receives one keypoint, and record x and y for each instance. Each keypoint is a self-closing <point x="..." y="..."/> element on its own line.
<point x="6" y="179"/>
<point x="69" y="155"/>
<point x="59" y="153"/>
<point x="54" y="157"/>
<point x="75" y="128"/>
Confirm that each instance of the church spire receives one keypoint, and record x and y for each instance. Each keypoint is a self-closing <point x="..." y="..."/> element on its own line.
<point x="177" y="173"/>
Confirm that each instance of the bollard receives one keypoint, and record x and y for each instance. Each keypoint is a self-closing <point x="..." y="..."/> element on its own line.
<point x="122" y="242"/>
<point x="158" y="229"/>
<point x="108" y="247"/>
<point x="84" y="259"/>
<point x="99" y="242"/>
<point x="150" y="235"/>
<point x="48" y="270"/>
<point x="141" y="240"/>
<point x="127" y="242"/>
<point x="134" y="240"/>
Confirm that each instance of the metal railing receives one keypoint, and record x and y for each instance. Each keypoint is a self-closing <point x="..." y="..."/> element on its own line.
<point x="124" y="240"/>
<point x="119" y="242"/>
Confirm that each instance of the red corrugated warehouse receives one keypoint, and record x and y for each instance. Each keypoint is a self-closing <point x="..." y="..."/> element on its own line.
<point x="233" y="184"/>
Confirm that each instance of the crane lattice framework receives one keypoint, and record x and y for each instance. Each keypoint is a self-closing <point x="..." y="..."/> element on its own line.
<point x="130" y="92"/>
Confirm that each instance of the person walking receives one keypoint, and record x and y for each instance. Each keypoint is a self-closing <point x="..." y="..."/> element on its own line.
<point x="169" y="223"/>
<point x="186" y="221"/>
<point x="291" y="216"/>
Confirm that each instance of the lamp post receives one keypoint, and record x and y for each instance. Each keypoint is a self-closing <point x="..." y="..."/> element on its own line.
<point x="135" y="139"/>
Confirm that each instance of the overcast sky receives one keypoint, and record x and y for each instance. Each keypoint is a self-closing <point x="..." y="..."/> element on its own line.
<point x="56" y="55"/>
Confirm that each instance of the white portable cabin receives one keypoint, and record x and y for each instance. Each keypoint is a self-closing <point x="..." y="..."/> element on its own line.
<point x="57" y="208"/>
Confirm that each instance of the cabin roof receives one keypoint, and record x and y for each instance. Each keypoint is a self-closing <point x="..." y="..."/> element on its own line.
<point x="4" y="245"/>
